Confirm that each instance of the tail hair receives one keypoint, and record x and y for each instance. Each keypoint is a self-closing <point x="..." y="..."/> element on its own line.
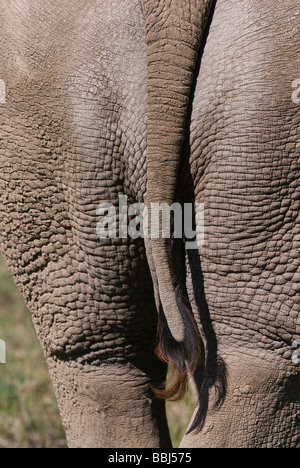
<point x="184" y="357"/>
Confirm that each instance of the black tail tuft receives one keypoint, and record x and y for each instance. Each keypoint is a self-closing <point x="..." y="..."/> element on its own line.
<point x="183" y="358"/>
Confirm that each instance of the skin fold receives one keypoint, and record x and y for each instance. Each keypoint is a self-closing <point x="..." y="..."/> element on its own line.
<point x="186" y="101"/>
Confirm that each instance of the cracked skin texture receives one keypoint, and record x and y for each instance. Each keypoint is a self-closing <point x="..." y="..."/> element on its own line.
<point x="74" y="133"/>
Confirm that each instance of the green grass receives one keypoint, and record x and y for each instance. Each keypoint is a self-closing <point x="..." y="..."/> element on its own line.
<point x="179" y="415"/>
<point x="29" y="415"/>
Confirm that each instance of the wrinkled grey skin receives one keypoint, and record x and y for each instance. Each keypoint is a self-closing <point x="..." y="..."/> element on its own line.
<point x="73" y="134"/>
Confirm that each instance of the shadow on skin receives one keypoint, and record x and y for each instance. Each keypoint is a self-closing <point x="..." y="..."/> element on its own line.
<point x="212" y="380"/>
